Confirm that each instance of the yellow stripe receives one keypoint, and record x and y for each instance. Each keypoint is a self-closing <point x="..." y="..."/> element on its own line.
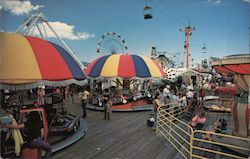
<point x="153" y="69"/>
<point x="110" y="67"/>
<point x="17" y="61"/>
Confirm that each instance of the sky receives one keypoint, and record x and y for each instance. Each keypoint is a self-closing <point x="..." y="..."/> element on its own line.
<point x="221" y="25"/>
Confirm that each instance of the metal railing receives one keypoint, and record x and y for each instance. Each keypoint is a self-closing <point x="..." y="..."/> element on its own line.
<point x="190" y="143"/>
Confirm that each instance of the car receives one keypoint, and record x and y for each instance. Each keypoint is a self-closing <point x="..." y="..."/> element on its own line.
<point x="64" y="124"/>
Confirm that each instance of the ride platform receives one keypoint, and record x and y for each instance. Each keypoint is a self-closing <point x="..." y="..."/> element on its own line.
<point x="139" y="105"/>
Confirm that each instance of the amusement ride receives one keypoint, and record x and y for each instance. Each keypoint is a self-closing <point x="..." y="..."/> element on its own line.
<point x="33" y="63"/>
<point x="111" y="43"/>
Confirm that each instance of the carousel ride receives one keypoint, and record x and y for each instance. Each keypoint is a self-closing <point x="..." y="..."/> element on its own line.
<point x="237" y="66"/>
<point x="27" y="63"/>
<point x="128" y="77"/>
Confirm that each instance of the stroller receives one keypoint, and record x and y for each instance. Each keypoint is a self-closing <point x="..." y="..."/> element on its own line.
<point x="151" y="120"/>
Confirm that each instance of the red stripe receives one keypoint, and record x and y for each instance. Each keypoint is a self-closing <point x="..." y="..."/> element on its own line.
<point x="90" y="66"/>
<point x="241" y="68"/>
<point x="162" y="72"/>
<point x="235" y="115"/>
<point x="51" y="64"/>
<point x="126" y="67"/>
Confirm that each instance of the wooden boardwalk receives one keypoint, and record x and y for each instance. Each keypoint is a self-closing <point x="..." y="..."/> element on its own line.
<point x="125" y="136"/>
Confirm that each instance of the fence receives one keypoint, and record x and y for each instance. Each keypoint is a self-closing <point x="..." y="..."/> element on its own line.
<point x="190" y="143"/>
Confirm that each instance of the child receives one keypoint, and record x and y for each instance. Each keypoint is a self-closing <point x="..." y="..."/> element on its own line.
<point x="108" y="110"/>
<point x="198" y="119"/>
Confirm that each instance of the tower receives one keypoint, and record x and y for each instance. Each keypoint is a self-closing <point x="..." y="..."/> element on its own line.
<point x="188" y="32"/>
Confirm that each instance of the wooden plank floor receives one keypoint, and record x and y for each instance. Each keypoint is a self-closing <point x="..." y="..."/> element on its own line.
<point x="125" y="136"/>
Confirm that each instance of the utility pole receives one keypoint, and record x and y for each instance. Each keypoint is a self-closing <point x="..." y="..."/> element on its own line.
<point x="188" y="32"/>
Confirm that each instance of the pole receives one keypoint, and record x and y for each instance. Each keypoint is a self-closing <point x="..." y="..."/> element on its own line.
<point x="188" y="32"/>
<point x="187" y="53"/>
<point x="33" y="22"/>
<point x="23" y="25"/>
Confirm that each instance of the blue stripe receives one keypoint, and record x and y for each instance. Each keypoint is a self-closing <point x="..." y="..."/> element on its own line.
<point x="141" y="67"/>
<point x="97" y="68"/>
<point x="74" y="68"/>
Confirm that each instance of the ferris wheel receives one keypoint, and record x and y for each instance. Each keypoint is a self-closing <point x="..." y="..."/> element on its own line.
<point x="111" y="43"/>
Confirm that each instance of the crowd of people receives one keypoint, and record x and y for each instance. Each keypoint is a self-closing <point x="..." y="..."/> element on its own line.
<point x="191" y="96"/>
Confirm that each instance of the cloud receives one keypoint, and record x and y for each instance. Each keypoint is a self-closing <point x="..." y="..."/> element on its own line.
<point x="17" y="7"/>
<point x="246" y="1"/>
<point x="215" y="1"/>
<point x="64" y="30"/>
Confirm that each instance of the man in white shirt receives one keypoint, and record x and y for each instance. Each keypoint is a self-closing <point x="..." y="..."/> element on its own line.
<point x="190" y="97"/>
<point x="84" y="98"/>
<point x="166" y="94"/>
<point x="190" y="94"/>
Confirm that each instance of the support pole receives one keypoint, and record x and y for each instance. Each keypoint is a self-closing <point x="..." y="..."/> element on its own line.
<point x="23" y="25"/>
<point x="38" y="28"/>
<point x="32" y="24"/>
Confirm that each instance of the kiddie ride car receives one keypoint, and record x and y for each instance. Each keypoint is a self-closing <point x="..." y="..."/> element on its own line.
<point x="60" y="129"/>
<point x="59" y="121"/>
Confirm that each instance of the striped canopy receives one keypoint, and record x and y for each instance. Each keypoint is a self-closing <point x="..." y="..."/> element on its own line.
<point x="238" y="66"/>
<point x="233" y="64"/>
<point x="27" y="62"/>
<point x="125" y="66"/>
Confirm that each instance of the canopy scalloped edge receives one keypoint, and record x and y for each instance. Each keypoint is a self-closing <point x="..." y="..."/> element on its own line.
<point x="41" y="83"/>
<point x="139" y="78"/>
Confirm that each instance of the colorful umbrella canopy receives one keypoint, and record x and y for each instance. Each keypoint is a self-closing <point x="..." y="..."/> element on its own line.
<point x="28" y="62"/>
<point x="125" y="66"/>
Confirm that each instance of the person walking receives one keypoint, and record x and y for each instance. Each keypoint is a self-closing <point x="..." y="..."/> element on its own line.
<point x="41" y="96"/>
<point x="109" y="106"/>
<point x="157" y="103"/>
<point x="84" y="99"/>
<point x="105" y="98"/>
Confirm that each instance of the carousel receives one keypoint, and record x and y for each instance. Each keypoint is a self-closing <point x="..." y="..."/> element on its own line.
<point x="129" y="79"/>
<point x="32" y="63"/>
<point x="237" y="66"/>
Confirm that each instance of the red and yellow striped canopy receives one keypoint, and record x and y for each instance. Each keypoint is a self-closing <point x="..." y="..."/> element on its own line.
<point x="125" y="66"/>
<point x="26" y="60"/>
